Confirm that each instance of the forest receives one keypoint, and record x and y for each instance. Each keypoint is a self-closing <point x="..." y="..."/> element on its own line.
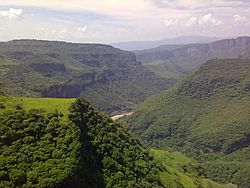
<point x="188" y="122"/>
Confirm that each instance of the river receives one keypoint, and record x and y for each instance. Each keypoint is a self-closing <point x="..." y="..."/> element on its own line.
<point x="116" y="117"/>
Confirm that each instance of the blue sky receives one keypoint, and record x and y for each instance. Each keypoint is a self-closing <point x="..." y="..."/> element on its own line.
<point x="108" y="21"/>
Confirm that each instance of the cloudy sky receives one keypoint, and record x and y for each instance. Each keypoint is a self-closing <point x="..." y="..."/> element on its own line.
<point x="109" y="21"/>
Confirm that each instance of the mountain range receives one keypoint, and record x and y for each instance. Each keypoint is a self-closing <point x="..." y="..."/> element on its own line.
<point x="110" y="78"/>
<point x="189" y="130"/>
<point x="206" y="116"/>
<point x="173" y="61"/>
<point x="142" y="45"/>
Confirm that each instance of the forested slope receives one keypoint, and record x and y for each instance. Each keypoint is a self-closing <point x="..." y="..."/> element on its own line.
<point x="205" y="115"/>
<point x="40" y="148"/>
<point x="44" y="143"/>
<point x="110" y="78"/>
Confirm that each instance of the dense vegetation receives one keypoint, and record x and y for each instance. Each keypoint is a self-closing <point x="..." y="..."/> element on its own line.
<point x="206" y="116"/>
<point x="49" y="142"/>
<point x="179" y="171"/>
<point x="124" y="161"/>
<point x="110" y="78"/>
<point x="41" y="148"/>
<point x="37" y="149"/>
<point x="166" y="69"/>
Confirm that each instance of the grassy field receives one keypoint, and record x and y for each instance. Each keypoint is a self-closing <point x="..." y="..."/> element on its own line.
<point x="48" y="104"/>
<point x="181" y="171"/>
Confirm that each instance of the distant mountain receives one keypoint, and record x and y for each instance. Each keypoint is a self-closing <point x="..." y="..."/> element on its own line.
<point x="190" y="56"/>
<point x="142" y="45"/>
<point x="110" y="78"/>
<point x="206" y="115"/>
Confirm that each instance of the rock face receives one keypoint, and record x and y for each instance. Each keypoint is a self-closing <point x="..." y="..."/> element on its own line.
<point x="110" y="78"/>
<point x="192" y="55"/>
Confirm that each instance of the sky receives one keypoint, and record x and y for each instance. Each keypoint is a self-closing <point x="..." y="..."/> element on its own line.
<point x="108" y="21"/>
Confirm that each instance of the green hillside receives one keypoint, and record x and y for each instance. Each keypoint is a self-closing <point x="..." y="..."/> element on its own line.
<point x="49" y="142"/>
<point x="40" y="148"/>
<point x="110" y="78"/>
<point x="48" y="104"/>
<point x="205" y="115"/>
<point x="166" y="69"/>
<point x="181" y="171"/>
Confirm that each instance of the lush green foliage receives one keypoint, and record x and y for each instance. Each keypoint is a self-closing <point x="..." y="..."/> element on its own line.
<point x="181" y="171"/>
<point x="43" y="148"/>
<point x="48" y="104"/>
<point x="166" y="69"/>
<point x="205" y="115"/>
<point x="110" y="78"/>
<point x="36" y="149"/>
<point x="123" y="160"/>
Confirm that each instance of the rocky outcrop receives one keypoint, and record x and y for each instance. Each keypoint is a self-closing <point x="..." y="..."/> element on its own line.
<point x="192" y="55"/>
<point x="239" y="144"/>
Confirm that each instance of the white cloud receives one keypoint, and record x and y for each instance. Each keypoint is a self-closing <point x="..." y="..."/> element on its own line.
<point x="11" y="14"/>
<point x="205" y="20"/>
<point x="193" y="21"/>
<point x="171" y="22"/>
<point x="41" y="29"/>
<point x="239" y="19"/>
<point x="108" y="7"/>
<point x="81" y="29"/>
<point x="125" y="19"/>
<point x="64" y="32"/>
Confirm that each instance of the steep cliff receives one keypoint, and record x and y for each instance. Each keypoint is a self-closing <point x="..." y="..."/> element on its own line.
<point x="192" y="55"/>
<point x="110" y="78"/>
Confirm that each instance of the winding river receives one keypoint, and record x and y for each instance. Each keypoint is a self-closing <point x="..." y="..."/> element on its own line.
<point x="116" y="117"/>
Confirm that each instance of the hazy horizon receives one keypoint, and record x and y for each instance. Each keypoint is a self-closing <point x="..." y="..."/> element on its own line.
<point x="111" y="21"/>
<point x="126" y="41"/>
